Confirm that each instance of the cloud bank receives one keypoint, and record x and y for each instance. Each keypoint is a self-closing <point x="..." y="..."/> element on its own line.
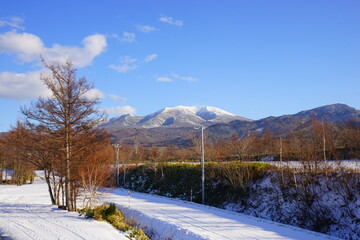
<point x="21" y="86"/>
<point x="28" y="47"/>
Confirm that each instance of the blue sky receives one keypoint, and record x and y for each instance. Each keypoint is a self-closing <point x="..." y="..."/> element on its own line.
<point x="252" y="58"/>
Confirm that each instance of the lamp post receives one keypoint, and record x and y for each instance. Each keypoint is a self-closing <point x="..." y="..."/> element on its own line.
<point x="117" y="146"/>
<point x="202" y="165"/>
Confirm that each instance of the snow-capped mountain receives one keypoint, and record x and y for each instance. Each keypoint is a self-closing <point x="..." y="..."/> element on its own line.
<point x="180" y="116"/>
<point x="175" y="126"/>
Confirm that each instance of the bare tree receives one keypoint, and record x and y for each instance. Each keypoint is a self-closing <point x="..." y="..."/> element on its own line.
<point x="68" y="111"/>
<point x="241" y="147"/>
<point x="92" y="168"/>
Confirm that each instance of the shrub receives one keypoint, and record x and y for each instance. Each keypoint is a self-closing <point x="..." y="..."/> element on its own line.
<point x="110" y="214"/>
<point x="87" y="212"/>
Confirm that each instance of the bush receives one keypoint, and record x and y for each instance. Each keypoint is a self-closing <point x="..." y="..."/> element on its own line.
<point x="87" y="212"/>
<point x="110" y="214"/>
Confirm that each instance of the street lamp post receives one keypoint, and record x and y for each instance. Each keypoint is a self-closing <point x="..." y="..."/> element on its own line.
<point x="117" y="146"/>
<point x="202" y="165"/>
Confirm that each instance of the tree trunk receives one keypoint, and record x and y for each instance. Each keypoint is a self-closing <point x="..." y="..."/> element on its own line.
<point x="68" y="195"/>
<point x="47" y="179"/>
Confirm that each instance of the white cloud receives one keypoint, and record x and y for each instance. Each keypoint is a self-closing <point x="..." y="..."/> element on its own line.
<point x="28" y="47"/>
<point x="117" y="98"/>
<point x="22" y="86"/>
<point x="120" y="110"/>
<point x="172" y="77"/>
<point x="146" y="28"/>
<point x="171" y="21"/>
<point x="14" y="22"/>
<point x="94" y="45"/>
<point x="123" y="68"/>
<point x="127" y="64"/>
<point x="126" y="37"/>
<point x="188" y="79"/>
<point x="164" y="79"/>
<point x="94" y="93"/>
<point x="127" y="59"/>
<point x="151" y="57"/>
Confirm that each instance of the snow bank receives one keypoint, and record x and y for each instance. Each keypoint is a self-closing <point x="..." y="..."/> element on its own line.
<point x="157" y="228"/>
<point x="166" y="218"/>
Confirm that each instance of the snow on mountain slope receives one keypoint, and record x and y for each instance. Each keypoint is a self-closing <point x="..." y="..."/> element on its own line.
<point x="180" y="116"/>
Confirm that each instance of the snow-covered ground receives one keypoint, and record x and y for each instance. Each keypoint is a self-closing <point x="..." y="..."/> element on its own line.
<point x="353" y="164"/>
<point x="175" y="219"/>
<point x="26" y="214"/>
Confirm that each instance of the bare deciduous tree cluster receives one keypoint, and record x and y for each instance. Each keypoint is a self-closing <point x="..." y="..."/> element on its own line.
<point x="58" y="136"/>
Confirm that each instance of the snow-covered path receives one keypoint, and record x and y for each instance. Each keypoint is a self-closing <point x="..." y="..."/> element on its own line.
<point x="183" y="220"/>
<point x="26" y="214"/>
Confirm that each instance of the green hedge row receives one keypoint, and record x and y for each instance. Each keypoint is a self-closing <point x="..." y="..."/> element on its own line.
<point x="224" y="182"/>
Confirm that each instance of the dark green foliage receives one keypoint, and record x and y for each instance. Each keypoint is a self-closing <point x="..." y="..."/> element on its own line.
<point x="87" y="212"/>
<point x="224" y="182"/>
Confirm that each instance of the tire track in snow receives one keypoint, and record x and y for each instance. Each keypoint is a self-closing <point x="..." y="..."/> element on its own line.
<point x="61" y="229"/>
<point x="39" y="226"/>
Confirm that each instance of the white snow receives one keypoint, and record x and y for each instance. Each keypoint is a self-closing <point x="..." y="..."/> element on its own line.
<point x="26" y="214"/>
<point x="175" y="219"/>
<point x="353" y="164"/>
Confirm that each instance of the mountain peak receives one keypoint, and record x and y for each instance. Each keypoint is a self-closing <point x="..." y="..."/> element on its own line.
<point x="338" y="111"/>
<point x="179" y="116"/>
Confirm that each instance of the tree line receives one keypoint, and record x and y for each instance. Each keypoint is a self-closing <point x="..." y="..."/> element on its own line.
<point x="317" y="141"/>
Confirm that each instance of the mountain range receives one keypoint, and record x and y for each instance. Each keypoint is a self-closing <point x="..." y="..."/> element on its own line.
<point x="180" y="116"/>
<point x="175" y="126"/>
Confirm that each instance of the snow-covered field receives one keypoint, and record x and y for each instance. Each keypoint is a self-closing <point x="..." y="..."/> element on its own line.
<point x="26" y="214"/>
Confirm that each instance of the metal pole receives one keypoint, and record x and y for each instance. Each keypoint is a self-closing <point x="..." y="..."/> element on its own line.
<point x="202" y="166"/>
<point x="117" y="146"/>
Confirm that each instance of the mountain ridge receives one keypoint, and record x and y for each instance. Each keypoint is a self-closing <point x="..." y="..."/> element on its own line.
<point x="180" y="116"/>
<point x="335" y="113"/>
<point x="176" y="130"/>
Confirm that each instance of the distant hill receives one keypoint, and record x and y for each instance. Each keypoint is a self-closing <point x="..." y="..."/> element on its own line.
<point x="335" y="113"/>
<point x="175" y="126"/>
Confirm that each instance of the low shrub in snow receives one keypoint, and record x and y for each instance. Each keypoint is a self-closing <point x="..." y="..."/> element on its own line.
<point x="110" y="214"/>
